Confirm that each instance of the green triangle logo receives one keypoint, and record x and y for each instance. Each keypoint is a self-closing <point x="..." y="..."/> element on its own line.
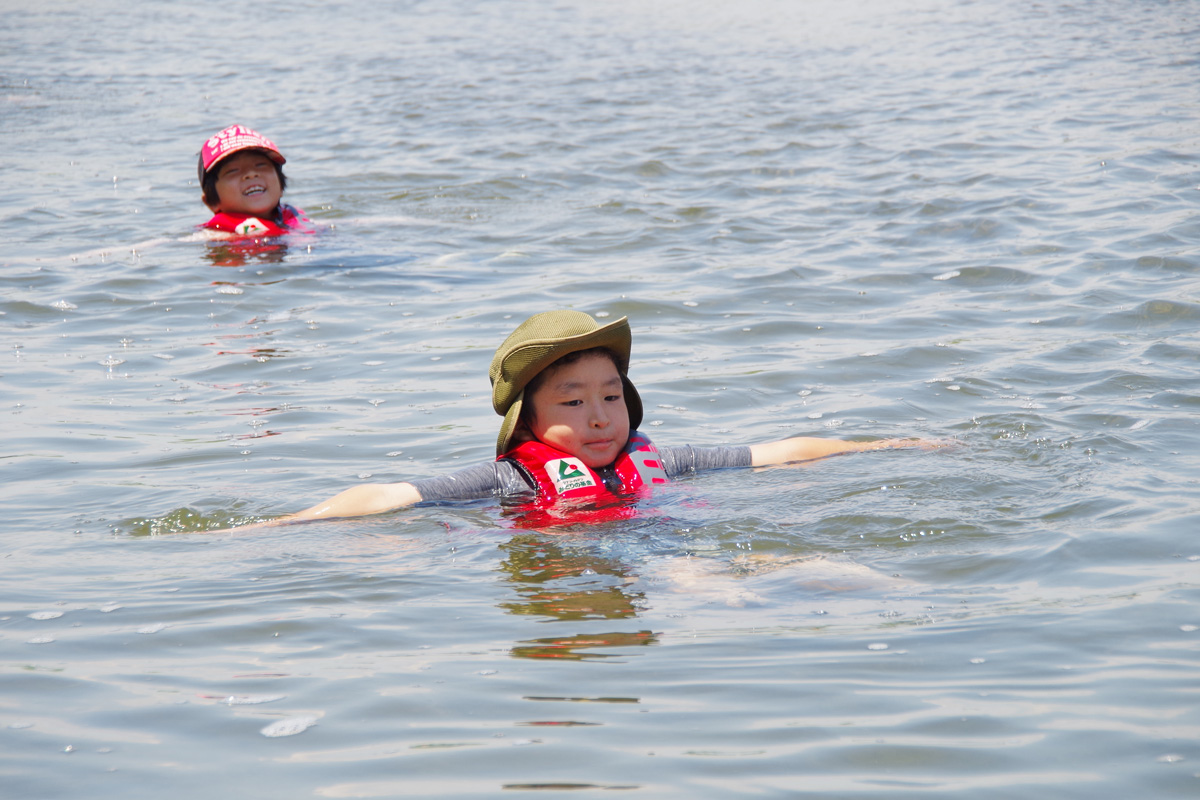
<point x="568" y="470"/>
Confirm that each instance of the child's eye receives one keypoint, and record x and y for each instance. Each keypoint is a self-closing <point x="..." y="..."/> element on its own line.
<point x="612" y="398"/>
<point x="573" y="403"/>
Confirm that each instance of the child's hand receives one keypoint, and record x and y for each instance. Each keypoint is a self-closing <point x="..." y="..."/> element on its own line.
<point x="936" y="444"/>
<point x="914" y="442"/>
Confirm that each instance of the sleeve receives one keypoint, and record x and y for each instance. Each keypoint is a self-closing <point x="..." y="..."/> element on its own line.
<point x="688" y="460"/>
<point x="490" y="479"/>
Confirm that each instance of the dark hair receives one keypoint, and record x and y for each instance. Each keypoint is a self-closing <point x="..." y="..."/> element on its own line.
<point x="539" y="379"/>
<point x="209" y="184"/>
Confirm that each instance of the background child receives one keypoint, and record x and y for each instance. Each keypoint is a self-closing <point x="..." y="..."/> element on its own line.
<point x="560" y="380"/>
<point x="242" y="180"/>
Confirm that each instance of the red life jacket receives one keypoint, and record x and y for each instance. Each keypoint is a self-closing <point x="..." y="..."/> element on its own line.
<point x="559" y="477"/>
<point x="288" y="219"/>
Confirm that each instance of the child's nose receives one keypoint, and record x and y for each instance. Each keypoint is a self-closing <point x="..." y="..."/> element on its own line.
<point x="599" y="416"/>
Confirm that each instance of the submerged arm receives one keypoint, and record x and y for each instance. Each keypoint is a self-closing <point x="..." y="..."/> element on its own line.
<point x="480" y="480"/>
<point x="359" y="501"/>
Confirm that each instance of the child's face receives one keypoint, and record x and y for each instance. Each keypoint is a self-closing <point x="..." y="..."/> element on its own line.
<point x="580" y="409"/>
<point x="247" y="184"/>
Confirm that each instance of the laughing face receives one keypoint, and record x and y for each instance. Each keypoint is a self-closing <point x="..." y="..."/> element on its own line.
<point x="247" y="183"/>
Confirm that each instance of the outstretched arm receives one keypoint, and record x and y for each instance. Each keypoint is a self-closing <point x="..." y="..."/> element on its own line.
<point x="806" y="448"/>
<point x="359" y="501"/>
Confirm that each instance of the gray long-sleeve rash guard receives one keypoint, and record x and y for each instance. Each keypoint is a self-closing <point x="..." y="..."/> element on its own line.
<point x="504" y="479"/>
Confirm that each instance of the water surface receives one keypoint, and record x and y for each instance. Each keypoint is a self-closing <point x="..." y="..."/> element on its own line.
<point x="969" y="221"/>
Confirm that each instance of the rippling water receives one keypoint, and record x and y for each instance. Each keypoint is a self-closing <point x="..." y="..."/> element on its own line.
<point x="962" y="220"/>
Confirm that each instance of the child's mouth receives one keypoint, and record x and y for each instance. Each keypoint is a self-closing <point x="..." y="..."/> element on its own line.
<point x="253" y="190"/>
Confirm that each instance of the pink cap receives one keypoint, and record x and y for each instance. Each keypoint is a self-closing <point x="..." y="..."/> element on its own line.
<point x="233" y="139"/>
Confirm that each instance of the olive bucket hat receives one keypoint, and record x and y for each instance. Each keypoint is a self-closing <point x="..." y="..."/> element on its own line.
<point x="540" y="341"/>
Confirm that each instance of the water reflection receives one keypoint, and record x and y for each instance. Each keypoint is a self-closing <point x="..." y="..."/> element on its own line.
<point x="256" y="424"/>
<point x="240" y="252"/>
<point x="580" y="646"/>
<point x="574" y="603"/>
<point x="562" y="583"/>
<point x="257" y="352"/>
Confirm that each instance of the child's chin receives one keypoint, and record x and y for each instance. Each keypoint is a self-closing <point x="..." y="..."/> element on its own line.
<point x="255" y="211"/>
<point x="595" y="460"/>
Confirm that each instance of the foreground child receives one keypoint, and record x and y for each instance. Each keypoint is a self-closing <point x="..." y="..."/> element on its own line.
<point x="569" y="435"/>
<point x="242" y="180"/>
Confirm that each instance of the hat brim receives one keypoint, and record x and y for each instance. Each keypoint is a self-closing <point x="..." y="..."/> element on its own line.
<point x="540" y="341"/>
<point x="274" y="155"/>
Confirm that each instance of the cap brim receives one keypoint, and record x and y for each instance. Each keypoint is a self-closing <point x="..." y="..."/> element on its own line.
<point x="274" y="155"/>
